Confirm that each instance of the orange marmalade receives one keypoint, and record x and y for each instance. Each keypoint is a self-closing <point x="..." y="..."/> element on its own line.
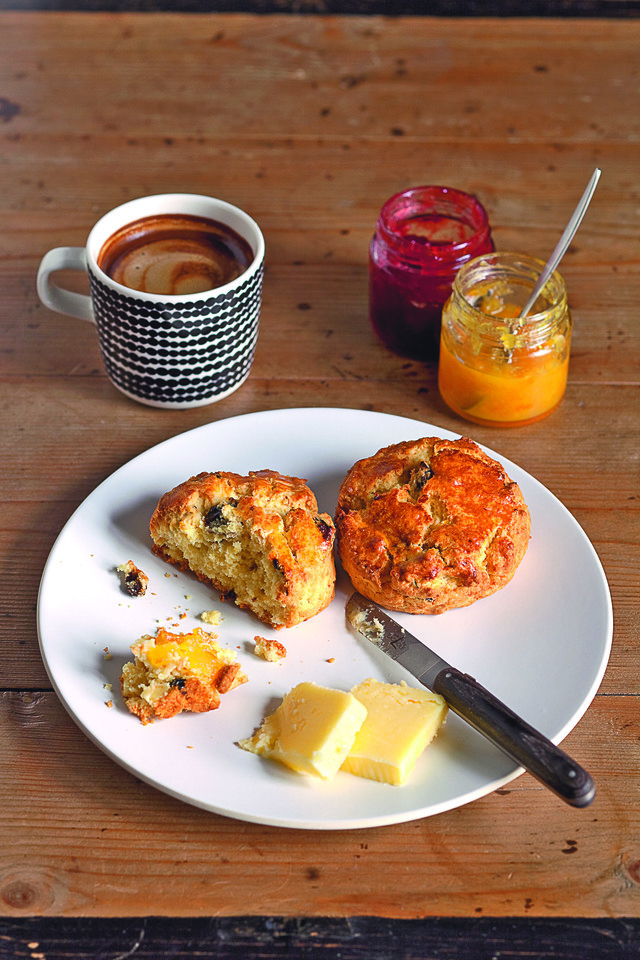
<point x="495" y="367"/>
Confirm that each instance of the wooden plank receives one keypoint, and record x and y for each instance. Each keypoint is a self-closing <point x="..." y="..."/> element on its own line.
<point x="514" y="853"/>
<point x="353" y="938"/>
<point x="372" y="77"/>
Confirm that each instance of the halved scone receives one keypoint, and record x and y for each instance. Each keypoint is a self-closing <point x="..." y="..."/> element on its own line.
<point x="259" y="540"/>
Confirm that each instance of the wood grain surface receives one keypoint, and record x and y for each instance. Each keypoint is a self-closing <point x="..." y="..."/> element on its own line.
<point x="310" y="123"/>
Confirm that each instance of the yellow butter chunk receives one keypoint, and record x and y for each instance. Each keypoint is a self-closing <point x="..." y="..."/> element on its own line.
<point x="400" y="723"/>
<point x="311" y="731"/>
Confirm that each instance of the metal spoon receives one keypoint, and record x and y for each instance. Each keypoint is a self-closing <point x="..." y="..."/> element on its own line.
<point x="563" y="242"/>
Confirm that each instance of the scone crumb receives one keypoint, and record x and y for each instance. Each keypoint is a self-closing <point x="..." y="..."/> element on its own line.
<point x="109" y="703"/>
<point x="270" y="650"/>
<point x="211" y="616"/>
<point x="134" y="580"/>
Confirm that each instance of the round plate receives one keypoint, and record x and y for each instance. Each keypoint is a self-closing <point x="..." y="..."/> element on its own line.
<point x="541" y="644"/>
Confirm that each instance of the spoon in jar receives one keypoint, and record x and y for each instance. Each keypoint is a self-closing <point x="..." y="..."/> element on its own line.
<point x="563" y="242"/>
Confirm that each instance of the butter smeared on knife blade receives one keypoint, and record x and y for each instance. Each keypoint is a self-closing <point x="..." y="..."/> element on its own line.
<point x="379" y="628"/>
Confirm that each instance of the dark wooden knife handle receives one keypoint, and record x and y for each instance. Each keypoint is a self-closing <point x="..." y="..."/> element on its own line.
<point x="515" y="737"/>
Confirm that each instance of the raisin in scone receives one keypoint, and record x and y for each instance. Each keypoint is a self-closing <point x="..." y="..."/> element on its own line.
<point x="428" y="525"/>
<point x="257" y="539"/>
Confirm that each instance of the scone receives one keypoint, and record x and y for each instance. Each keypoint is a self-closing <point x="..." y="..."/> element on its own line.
<point x="257" y="539"/>
<point x="172" y="672"/>
<point x="428" y="525"/>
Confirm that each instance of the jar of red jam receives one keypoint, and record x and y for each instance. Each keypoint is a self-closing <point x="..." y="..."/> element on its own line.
<point x="423" y="237"/>
<point x="496" y="367"/>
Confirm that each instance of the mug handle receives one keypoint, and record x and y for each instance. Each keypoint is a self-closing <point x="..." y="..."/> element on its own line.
<point x="57" y="298"/>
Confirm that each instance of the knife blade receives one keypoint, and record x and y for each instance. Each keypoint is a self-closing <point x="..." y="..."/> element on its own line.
<point x="477" y="706"/>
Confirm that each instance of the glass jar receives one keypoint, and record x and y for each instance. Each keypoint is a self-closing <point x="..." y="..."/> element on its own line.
<point x="494" y="367"/>
<point x="423" y="236"/>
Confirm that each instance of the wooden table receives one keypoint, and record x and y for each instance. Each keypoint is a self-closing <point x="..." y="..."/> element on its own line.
<point x="310" y="123"/>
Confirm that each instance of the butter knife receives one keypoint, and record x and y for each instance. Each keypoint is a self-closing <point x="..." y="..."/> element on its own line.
<point x="466" y="697"/>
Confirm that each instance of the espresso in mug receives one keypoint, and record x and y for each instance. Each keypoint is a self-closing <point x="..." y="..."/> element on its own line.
<point x="175" y="254"/>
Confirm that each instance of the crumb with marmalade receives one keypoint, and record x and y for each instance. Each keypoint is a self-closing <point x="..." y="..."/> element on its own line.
<point x="172" y="672"/>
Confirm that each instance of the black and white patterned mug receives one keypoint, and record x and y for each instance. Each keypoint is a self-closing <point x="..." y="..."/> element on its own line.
<point x="170" y="350"/>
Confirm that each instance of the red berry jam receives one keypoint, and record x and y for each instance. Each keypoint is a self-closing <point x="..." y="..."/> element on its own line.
<point x="423" y="236"/>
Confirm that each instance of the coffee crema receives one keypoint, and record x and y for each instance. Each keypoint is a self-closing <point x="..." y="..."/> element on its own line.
<point x="175" y="254"/>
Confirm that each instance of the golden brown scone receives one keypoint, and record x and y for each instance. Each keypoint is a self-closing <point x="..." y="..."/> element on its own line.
<point x="257" y="539"/>
<point x="172" y="672"/>
<point x="427" y="525"/>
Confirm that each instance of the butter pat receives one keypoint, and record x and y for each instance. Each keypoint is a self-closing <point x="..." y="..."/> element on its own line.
<point x="400" y="723"/>
<point x="311" y="731"/>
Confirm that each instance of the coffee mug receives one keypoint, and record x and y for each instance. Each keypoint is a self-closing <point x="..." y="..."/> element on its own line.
<point x="175" y="346"/>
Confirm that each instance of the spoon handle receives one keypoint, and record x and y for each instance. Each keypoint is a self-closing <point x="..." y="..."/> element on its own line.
<point x="564" y="241"/>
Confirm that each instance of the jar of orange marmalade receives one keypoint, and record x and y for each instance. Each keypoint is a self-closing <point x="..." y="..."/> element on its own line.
<point x="496" y="368"/>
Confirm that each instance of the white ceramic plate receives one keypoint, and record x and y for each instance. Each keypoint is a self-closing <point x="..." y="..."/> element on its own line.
<point x="541" y="644"/>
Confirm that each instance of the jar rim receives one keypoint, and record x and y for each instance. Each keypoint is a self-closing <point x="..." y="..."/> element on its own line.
<point x="508" y="265"/>
<point x="439" y="201"/>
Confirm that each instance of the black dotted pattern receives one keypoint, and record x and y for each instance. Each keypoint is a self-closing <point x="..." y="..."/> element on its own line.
<point x="178" y="353"/>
